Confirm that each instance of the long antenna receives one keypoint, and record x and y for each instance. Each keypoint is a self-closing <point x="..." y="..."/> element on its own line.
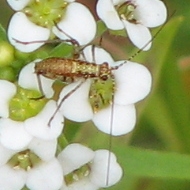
<point x="153" y="37"/>
<point x="147" y="43"/>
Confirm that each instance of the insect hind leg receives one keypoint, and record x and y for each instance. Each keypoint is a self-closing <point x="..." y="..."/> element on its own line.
<point x="63" y="99"/>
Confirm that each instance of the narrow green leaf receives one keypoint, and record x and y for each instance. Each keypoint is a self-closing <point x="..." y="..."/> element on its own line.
<point x="153" y="164"/>
<point x="158" y="114"/>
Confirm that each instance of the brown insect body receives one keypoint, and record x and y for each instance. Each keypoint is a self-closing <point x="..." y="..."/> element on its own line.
<point x="62" y="69"/>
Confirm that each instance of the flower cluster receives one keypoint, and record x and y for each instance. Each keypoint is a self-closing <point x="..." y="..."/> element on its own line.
<point x="34" y="151"/>
<point x="43" y="19"/>
<point x="135" y="16"/>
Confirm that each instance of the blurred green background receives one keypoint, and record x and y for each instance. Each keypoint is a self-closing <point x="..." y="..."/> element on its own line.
<point x="155" y="156"/>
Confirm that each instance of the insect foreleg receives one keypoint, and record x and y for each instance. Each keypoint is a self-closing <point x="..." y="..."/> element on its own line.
<point x="48" y="41"/>
<point x="40" y="86"/>
<point x="63" y="99"/>
<point x="72" y="40"/>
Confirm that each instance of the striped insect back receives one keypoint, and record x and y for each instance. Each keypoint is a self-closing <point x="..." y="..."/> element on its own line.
<point x="61" y="69"/>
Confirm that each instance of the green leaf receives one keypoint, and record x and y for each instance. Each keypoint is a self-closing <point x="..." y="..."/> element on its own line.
<point x="149" y="164"/>
<point x="153" y="164"/>
<point x="158" y="115"/>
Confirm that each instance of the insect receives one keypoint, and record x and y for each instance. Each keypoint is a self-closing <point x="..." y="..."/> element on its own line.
<point x="70" y="70"/>
<point x="62" y="69"/>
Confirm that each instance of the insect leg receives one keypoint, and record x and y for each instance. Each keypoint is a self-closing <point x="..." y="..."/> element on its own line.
<point x="63" y="99"/>
<point x="47" y="42"/>
<point x="40" y="86"/>
<point x="71" y="40"/>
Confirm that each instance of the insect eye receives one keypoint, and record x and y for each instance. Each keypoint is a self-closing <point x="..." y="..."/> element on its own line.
<point x="104" y="77"/>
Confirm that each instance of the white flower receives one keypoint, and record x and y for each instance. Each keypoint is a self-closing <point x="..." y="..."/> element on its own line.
<point x="13" y="134"/>
<point x="17" y="178"/>
<point x="75" y="156"/>
<point x="132" y="84"/>
<point x="46" y="174"/>
<point x="14" y="139"/>
<point x="37" y="126"/>
<point x="33" y="24"/>
<point x="17" y="135"/>
<point x="8" y="90"/>
<point x="135" y="16"/>
<point x="33" y="135"/>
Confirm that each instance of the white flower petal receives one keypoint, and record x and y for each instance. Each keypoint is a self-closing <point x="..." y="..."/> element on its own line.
<point x="70" y="1"/>
<point x="123" y="121"/>
<point x="82" y="184"/>
<point x="98" y="55"/>
<point x="13" y="134"/>
<point x="107" y="13"/>
<point x="22" y="30"/>
<point x="44" y="149"/>
<point x="138" y="34"/>
<point x="78" y="23"/>
<point x="133" y="83"/>
<point x="6" y="154"/>
<point x="116" y="2"/>
<point x="74" y="156"/>
<point x="18" y="4"/>
<point x="38" y="125"/>
<point x="76" y="106"/>
<point x="8" y="90"/>
<point x="28" y="79"/>
<point x="11" y="179"/>
<point x="99" y="169"/>
<point x="151" y="13"/>
<point x="46" y="175"/>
